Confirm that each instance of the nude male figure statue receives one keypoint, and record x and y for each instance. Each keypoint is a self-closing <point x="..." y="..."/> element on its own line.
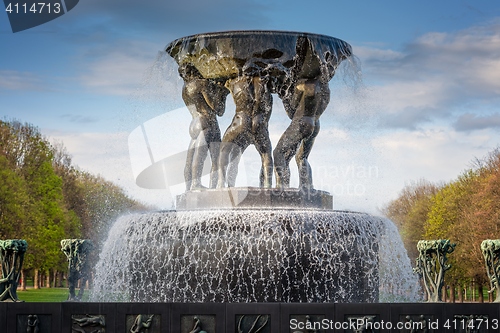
<point x="305" y="98"/>
<point x="205" y="100"/>
<point x="253" y="100"/>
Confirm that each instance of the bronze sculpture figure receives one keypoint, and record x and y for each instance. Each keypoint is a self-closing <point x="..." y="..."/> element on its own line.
<point x="305" y="99"/>
<point x="253" y="100"/>
<point x="141" y="323"/>
<point x="32" y="324"/>
<point x="205" y="100"/>
<point x="254" y="65"/>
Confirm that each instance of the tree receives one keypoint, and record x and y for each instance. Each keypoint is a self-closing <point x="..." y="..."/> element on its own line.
<point x="44" y="198"/>
<point x="27" y="163"/>
<point x="13" y="200"/>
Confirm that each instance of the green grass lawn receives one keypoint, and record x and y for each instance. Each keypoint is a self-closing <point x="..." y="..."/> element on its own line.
<point x="44" y="295"/>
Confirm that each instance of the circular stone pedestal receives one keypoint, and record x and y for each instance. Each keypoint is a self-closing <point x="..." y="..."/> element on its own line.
<point x="253" y="197"/>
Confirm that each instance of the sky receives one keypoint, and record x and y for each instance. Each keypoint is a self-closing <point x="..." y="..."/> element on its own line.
<point x="420" y="100"/>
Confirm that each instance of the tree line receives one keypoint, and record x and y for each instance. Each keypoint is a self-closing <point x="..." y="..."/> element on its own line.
<point x="44" y="198"/>
<point x="466" y="211"/>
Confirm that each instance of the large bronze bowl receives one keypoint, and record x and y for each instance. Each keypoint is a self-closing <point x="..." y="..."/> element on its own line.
<point x="222" y="55"/>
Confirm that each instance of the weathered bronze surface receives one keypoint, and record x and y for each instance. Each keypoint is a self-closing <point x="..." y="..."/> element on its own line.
<point x="227" y="54"/>
<point x="205" y="100"/>
<point x="491" y="254"/>
<point x="253" y="324"/>
<point x="88" y="324"/>
<point x="32" y="324"/>
<point x="11" y="258"/>
<point x="77" y="251"/>
<point x="198" y="324"/>
<point x="253" y="65"/>
<point x="142" y="323"/>
<point x="431" y="265"/>
<point x="252" y="97"/>
<point x="305" y="99"/>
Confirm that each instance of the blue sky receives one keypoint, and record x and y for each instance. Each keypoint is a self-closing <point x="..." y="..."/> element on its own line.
<point x="428" y="106"/>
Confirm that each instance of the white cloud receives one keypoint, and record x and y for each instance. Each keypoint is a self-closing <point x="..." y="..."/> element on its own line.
<point x="468" y="122"/>
<point x="119" y="71"/>
<point x="96" y="152"/>
<point x="15" y="80"/>
<point x="117" y="74"/>
<point x="435" y="76"/>
<point x="370" y="53"/>
<point x="106" y="154"/>
<point x="397" y="96"/>
<point x="436" y="154"/>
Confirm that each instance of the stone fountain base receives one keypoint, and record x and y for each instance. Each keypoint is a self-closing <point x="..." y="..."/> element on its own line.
<point x="244" y="255"/>
<point x="254" y="197"/>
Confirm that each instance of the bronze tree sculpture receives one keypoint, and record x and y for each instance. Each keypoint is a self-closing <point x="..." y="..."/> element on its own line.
<point x="11" y="258"/>
<point x="431" y="265"/>
<point x="491" y="254"/>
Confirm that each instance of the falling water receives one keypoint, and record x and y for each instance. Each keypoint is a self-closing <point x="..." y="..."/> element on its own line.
<point x="398" y="283"/>
<point x="254" y="256"/>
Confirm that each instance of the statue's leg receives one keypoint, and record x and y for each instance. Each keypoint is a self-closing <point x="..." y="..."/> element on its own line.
<point x="260" y="131"/>
<point x="214" y="148"/>
<point x="229" y="158"/>
<point x="305" y="171"/>
<point x="264" y="147"/>
<point x="232" y="169"/>
<point x="266" y="171"/>
<point x="237" y="149"/>
<point x="8" y="287"/>
<point x="234" y="142"/>
<point x="200" y="154"/>
<point x="213" y="141"/>
<point x="188" y="171"/>
<point x="224" y="154"/>
<point x="267" y="167"/>
<point x="285" y="149"/>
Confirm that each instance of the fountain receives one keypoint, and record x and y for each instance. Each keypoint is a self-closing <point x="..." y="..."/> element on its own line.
<point x="254" y="244"/>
